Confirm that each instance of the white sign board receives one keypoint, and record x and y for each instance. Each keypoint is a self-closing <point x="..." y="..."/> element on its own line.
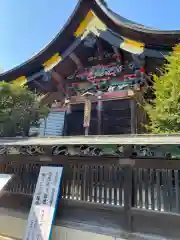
<point x="44" y="203"/>
<point x="4" y="179"/>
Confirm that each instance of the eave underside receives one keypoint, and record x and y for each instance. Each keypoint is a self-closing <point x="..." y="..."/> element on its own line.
<point x="59" y="77"/>
<point x="89" y="21"/>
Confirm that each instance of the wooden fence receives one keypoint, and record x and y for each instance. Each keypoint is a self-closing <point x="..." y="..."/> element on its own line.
<point x="136" y="195"/>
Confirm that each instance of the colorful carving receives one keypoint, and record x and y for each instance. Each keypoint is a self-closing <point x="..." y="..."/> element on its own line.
<point x="109" y="78"/>
<point x="106" y="55"/>
<point x="86" y="150"/>
<point x="145" y="151"/>
<point x="108" y="86"/>
<point x="100" y="71"/>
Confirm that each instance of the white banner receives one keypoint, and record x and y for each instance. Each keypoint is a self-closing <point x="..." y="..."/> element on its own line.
<point x="44" y="203"/>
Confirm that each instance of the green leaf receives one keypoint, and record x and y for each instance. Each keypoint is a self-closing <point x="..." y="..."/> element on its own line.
<point x="20" y="109"/>
<point x="164" y="110"/>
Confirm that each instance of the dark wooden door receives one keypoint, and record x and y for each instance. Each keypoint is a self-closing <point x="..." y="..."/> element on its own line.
<point x="116" y="117"/>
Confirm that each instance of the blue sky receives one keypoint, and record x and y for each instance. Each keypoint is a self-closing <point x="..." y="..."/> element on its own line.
<point x="27" y="26"/>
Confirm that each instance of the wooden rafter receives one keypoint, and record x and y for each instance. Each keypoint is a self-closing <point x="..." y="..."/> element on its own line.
<point x="59" y="80"/>
<point x="40" y="85"/>
<point x="77" y="61"/>
<point x="116" y="50"/>
<point x="100" y="48"/>
<point x="119" y="54"/>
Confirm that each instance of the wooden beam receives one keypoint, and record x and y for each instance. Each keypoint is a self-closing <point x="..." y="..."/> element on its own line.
<point x="40" y="85"/>
<point x="116" y="50"/>
<point x="123" y="94"/>
<point x="62" y="83"/>
<point x="60" y="80"/>
<point x="118" y="53"/>
<point x="100" y="48"/>
<point x="76" y="60"/>
<point x="51" y="97"/>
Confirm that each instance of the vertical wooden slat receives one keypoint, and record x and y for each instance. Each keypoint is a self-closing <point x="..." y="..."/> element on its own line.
<point x="90" y="183"/>
<point x="69" y="181"/>
<point x="84" y="191"/>
<point x="176" y="172"/>
<point x="146" y="185"/>
<point x="135" y="189"/>
<point x="23" y="182"/>
<point x="31" y="183"/>
<point x="11" y="186"/>
<point x="32" y="173"/>
<point x="100" y="170"/>
<point x="128" y="197"/>
<point x="87" y="184"/>
<point x="140" y="182"/>
<point x="26" y="179"/>
<point x="170" y="189"/>
<point x="110" y="183"/>
<point x="158" y="189"/>
<point x="73" y="190"/>
<point x="114" y="179"/>
<point x="95" y="182"/>
<point x="21" y="177"/>
<point x="64" y="183"/>
<point x="152" y="186"/>
<point x="165" y="189"/>
<point x="105" y="183"/>
<point x="121" y="181"/>
<point x="78" y="182"/>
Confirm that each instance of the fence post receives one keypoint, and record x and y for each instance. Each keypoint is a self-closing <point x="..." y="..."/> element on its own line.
<point x="128" y="188"/>
<point x="127" y="197"/>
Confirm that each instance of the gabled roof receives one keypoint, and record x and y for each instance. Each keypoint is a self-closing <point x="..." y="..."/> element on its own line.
<point x="92" y="17"/>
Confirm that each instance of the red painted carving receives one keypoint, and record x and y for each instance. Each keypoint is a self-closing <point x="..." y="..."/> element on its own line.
<point x="103" y="72"/>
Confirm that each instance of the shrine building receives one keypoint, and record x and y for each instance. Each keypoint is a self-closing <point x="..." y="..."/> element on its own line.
<point x="95" y="73"/>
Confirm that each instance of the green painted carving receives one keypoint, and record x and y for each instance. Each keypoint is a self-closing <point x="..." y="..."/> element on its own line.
<point x="156" y="151"/>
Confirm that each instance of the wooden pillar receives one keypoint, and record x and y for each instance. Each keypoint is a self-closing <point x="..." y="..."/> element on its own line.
<point x="99" y="112"/>
<point x="141" y="113"/>
<point x="133" y="107"/>
<point x="87" y="115"/>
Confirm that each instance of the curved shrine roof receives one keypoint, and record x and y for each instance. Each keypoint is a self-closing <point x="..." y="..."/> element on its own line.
<point x="93" y="18"/>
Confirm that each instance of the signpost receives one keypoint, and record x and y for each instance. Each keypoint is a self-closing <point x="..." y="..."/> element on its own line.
<point x="44" y="203"/>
